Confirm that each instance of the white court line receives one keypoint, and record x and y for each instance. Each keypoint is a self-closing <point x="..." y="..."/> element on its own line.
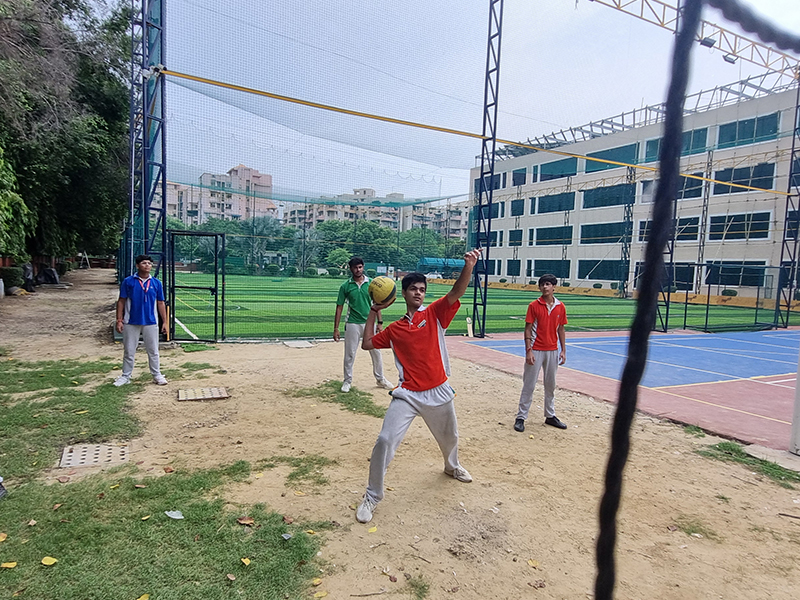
<point x="726" y="353"/>
<point x="186" y="329"/>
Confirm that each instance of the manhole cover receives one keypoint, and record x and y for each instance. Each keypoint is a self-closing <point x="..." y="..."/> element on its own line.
<point x="216" y="393"/>
<point x="93" y="454"/>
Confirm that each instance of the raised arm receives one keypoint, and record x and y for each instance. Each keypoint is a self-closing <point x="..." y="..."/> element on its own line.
<point x="461" y="284"/>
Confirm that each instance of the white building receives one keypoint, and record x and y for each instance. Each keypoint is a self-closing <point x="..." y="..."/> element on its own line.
<point x="566" y="215"/>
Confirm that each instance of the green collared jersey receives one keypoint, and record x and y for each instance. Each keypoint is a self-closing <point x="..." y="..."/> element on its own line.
<point x="358" y="300"/>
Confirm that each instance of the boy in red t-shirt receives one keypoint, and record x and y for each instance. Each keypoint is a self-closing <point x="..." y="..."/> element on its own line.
<point x="544" y="330"/>
<point x="420" y="353"/>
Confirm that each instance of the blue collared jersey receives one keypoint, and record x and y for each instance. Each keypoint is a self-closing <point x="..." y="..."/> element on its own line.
<point x="141" y="298"/>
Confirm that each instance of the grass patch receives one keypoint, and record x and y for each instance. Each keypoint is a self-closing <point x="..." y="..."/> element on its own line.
<point x="419" y="587"/>
<point x="305" y="469"/>
<point x="105" y="549"/>
<point x="694" y="431"/>
<point x="59" y="412"/>
<point x="355" y="400"/>
<point x="193" y="366"/>
<point x="733" y="452"/>
<point x="197" y="347"/>
<point x="723" y="498"/>
<point x="693" y="525"/>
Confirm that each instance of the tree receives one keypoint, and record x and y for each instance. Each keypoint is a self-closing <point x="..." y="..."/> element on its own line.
<point x="261" y="235"/>
<point x="337" y="257"/>
<point x="15" y="217"/>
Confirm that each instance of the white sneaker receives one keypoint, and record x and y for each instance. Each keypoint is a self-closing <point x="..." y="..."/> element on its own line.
<point x="160" y="380"/>
<point x="346" y="386"/>
<point x="461" y="474"/>
<point x="386" y="384"/>
<point x="121" y="380"/>
<point x="365" y="510"/>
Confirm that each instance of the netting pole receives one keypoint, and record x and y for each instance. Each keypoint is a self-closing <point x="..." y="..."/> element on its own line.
<point x="483" y="205"/>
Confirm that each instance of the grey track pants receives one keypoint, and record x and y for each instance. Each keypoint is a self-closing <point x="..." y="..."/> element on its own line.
<point x="441" y="420"/>
<point x="547" y="360"/>
<point x="130" y="339"/>
<point x="353" y="332"/>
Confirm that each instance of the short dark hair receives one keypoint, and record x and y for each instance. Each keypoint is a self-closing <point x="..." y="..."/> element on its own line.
<point x="548" y="278"/>
<point x="412" y="278"/>
<point x="355" y="261"/>
<point x="143" y="257"/>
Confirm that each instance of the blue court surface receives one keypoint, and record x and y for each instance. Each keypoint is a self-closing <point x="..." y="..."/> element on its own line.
<point x="679" y="359"/>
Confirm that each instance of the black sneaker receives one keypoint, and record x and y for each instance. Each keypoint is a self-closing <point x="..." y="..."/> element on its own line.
<point x="555" y="422"/>
<point x="519" y="425"/>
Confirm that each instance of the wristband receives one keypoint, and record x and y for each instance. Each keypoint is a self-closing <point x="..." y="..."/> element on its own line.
<point x="120" y="320"/>
<point x="380" y="322"/>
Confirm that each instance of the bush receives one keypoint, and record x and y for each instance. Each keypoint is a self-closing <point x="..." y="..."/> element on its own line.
<point x="291" y="271"/>
<point x="334" y="271"/>
<point x="272" y="270"/>
<point x="11" y="276"/>
<point x="730" y="293"/>
<point x="63" y="266"/>
<point x="311" y="272"/>
<point x="372" y="273"/>
<point x="503" y="280"/>
<point x="597" y="286"/>
<point x="614" y="285"/>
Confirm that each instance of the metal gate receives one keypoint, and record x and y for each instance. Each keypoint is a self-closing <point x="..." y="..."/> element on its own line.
<point x="196" y="264"/>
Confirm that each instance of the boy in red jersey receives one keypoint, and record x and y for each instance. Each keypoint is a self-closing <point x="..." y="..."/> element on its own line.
<point x="417" y="341"/>
<point x="544" y="330"/>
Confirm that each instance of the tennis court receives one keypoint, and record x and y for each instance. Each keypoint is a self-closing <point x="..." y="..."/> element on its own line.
<point x="740" y="385"/>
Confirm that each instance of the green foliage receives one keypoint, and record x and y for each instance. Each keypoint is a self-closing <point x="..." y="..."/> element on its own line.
<point x="291" y="271"/>
<point x="272" y="270"/>
<point x="694" y="431"/>
<point x="733" y="452"/>
<point x="419" y="587"/>
<point x="730" y="293"/>
<point x="695" y="526"/>
<point x="372" y="273"/>
<point x="334" y="272"/>
<point x="305" y="469"/>
<point x="337" y="257"/>
<point x="311" y="272"/>
<point x="503" y="280"/>
<point x="355" y="400"/>
<point x="195" y="347"/>
<point x="15" y="218"/>
<point x="11" y="276"/>
<point x="614" y="285"/>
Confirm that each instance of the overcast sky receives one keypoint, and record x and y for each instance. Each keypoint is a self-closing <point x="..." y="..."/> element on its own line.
<point x="562" y="64"/>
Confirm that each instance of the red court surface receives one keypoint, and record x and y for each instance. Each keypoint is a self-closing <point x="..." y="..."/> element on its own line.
<point x="756" y="410"/>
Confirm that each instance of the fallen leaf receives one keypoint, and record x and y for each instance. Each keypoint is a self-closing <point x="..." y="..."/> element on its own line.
<point x="299" y="493"/>
<point x="453" y="589"/>
<point x="197" y="538"/>
<point x="31" y="523"/>
<point x="248" y="521"/>
<point x="316" y="582"/>
<point x="141" y="462"/>
<point x="8" y="565"/>
<point x="140" y="486"/>
<point x="231" y="577"/>
<point x="259" y="475"/>
<point x="73" y="470"/>
<point x="3" y="537"/>
<point x="392" y="578"/>
<point x="288" y="520"/>
<point x="311" y="532"/>
<point x="49" y="561"/>
<point x="353" y="507"/>
<point x="57" y="506"/>
<point x="145" y="517"/>
<point x="174" y="514"/>
<point x="64" y="521"/>
<point x="246" y="561"/>
<point x="144" y="597"/>
<point x="320" y="594"/>
<point x="63" y="479"/>
<point x="113" y="487"/>
<point x="372" y="529"/>
<point x="533" y="563"/>
<point x="539" y="583"/>
<point x="530" y="436"/>
<point x="390" y="489"/>
<point x="672" y="528"/>
<point x="18" y="593"/>
<point x="35" y="416"/>
<point x="101" y="495"/>
<point x="169" y="470"/>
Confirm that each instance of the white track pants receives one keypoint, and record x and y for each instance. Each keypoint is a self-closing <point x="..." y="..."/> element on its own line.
<point x="441" y="420"/>
<point x="353" y="332"/>
<point x="130" y="339"/>
<point x="547" y="360"/>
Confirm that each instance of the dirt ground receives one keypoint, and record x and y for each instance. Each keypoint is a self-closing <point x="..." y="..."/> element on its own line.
<point x="533" y="502"/>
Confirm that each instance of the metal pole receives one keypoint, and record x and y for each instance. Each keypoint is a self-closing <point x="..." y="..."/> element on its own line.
<point x="794" y="441"/>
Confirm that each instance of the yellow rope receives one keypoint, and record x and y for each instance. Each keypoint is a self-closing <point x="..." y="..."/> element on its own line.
<point x="478" y="136"/>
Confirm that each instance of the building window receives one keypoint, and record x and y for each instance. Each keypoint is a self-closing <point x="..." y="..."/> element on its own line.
<point x="533" y="204"/>
<point x="554" y="236"/>
<point x="735" y="273"/>
<point x="514" y="238"/>
<point x="534" y="173"/>
<point x="690" y="187"/>
<point x="557" y="202"/>
<point x="559" y="169"/>
<point x="624" y="154"/>
<point x="495" y="184"/>
<point x="743" y="226"/>
<point x="604" y="233"/>
<point x="748" y="131"/>
<point x="559" y="268"/>
<point x="512" y="268"/>
<point x="496" y="239"/>
<point x="759" y="176"/>
<point x="648" y="191"/>
<point x="613" y="270"/>
<point x="490" y="267"/>
<point x="517" y="207"/>
<point x="694" y="142"/>
<point x="530" y="237"/>
<point x="688" y="229"/>
<point x="612" y="195"/>
<point x="518" y="177"/>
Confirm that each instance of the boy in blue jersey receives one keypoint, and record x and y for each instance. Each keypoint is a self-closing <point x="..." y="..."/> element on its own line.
<point x="141" y="302"/>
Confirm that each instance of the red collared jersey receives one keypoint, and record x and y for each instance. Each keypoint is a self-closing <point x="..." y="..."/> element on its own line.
<point x="418" y="344"/>
<point x="546" y="322"/>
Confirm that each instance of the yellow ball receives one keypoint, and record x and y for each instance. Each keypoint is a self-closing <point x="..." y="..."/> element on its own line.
<point x="382" y="289"/>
